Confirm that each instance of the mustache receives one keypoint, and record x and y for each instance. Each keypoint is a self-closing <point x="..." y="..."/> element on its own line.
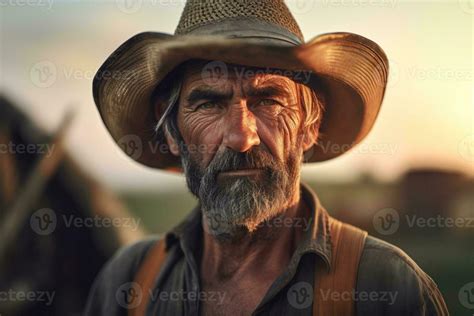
<point x="255" y="158"/>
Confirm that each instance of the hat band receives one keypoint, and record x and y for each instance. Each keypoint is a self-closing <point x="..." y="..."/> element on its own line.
<point x="249" y="28"/>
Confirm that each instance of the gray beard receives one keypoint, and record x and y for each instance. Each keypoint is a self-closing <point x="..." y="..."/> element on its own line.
<point x="235" y="207"/>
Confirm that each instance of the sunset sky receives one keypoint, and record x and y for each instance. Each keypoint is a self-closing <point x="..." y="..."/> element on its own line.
<point x="427" y="117"/>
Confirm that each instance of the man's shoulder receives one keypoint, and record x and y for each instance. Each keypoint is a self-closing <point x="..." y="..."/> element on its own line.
<point x="117" y="274"/>
<point x="377" y="251"/>
<point x="127" y="259"/>
<point x="392" y="280"/>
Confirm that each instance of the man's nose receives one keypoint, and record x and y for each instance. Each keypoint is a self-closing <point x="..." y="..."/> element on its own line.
<point x="241" y="130"/>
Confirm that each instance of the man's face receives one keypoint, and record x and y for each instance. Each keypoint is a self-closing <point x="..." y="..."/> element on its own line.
<point x="241" y="145"/>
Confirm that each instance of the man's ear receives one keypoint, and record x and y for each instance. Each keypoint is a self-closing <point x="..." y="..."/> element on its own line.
<point x="174" y="148"/>
<point x="172" y="144"/>
<point x="309" y="137"/>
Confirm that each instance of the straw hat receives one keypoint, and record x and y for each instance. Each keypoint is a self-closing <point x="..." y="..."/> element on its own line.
<point x="348" y="69"/>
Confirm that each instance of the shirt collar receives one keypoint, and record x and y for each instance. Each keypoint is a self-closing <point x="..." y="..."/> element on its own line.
<point x="316" y="238"/>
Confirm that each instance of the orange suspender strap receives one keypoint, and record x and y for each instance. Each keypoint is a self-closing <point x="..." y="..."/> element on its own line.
<point x="333" y="289"/>
<point x="146" y="275"/>
<point x="347" y="246"/>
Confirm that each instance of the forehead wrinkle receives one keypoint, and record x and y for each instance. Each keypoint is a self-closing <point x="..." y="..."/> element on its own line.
<point x="269" y="79"/>
<point x="275" y="77"/>
<point x="281" y="84"/>
<point x="204" y="91"/>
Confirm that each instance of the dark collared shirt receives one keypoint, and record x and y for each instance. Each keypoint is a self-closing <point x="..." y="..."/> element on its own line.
<point x="388" y="281"/>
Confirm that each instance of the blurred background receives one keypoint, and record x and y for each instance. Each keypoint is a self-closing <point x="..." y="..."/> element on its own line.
<point x="69" y="197"/>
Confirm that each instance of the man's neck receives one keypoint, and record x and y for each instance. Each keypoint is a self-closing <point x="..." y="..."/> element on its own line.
<point x="264" y="253"/>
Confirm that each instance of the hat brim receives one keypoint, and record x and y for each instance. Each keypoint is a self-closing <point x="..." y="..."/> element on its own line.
<point x="348" y="69"/>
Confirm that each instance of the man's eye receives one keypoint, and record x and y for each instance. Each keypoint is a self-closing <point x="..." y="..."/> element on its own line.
<point x="207" y="105"/>
<point x="267" y="102"/>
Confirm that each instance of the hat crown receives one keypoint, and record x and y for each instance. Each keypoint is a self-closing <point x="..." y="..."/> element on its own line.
<point x="199" y="13"/>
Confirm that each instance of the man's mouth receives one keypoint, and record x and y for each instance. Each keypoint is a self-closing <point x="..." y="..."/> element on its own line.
<point x="241" y="172"/>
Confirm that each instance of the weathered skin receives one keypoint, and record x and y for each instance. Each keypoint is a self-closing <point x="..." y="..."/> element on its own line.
<point x="239" y="116"/>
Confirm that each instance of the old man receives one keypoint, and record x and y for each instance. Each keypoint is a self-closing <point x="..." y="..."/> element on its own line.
<point x="237" y="101"/>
